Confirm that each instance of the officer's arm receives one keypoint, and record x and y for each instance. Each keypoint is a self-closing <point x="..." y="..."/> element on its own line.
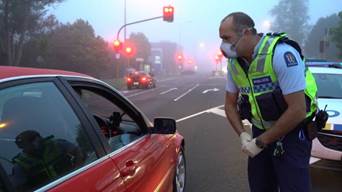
<point x="232" y="112"/>
<point x="294" y="114"/>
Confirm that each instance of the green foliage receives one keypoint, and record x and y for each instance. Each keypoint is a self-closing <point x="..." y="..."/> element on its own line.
<point x="291" y="16"/>
<point x="142" y="44"/>
<point x="71" y="47"/>
<point x="319" y="33"/>
<point x="19" y="20"/>
<point x="337" y="35"/>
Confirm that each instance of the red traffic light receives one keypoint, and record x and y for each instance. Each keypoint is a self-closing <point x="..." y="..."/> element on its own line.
<point x="128" y="50"/>
<point x="117" y="45"/>
<point x="168" y="12"/>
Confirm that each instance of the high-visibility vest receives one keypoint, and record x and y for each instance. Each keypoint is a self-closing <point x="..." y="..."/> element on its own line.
<point x="260" y="87"/>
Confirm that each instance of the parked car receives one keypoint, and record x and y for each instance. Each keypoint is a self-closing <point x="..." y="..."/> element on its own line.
<point x="65" y="131"/>
<point x="328" y="144"/>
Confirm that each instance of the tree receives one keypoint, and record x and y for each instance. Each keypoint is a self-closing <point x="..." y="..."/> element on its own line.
<point x="142" y="44"/>
<point x="337" y="35"/>
<point x="19" y="19"/>
<point x="291" y="16"/>
<point x="319" y="33"/>
<point x="71" y="47"/>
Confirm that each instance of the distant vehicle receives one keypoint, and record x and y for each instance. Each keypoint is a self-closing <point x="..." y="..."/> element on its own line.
<point x="66" y="131"/>
<point x="328" y="144"/>
<point x="140" y="79"/>
<point x="189" y="68"/>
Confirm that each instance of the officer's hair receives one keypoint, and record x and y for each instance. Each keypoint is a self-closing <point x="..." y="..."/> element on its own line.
<point x="241" y="21"/>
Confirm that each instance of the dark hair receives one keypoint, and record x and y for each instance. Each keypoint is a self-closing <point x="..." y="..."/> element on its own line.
<point x="241" y="21"/>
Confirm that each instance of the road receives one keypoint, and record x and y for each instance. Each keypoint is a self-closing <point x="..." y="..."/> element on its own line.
<point x="214" y="159"/>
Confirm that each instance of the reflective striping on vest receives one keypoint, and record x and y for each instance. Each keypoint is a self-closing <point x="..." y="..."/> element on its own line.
<point x="265" y="87"/>
<point x="245" y="90"/>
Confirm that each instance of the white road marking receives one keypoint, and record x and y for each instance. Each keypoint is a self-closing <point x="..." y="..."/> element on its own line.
<point x="187" y="92"/>
<point x="313" y="160"/>
<point x="164" y="92"/>
<point x="208" y="90"/>
<point x="142" y="92"/>
<point x="218" y="111"/>
<point x="199" y="113"/>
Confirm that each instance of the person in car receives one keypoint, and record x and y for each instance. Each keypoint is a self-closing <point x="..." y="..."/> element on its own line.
<point x="268" y="80"/>
<point x="42" y="159"/>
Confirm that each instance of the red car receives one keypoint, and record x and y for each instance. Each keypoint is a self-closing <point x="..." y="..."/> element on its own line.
<point x="65" y="131"/>
<point x="140" y="79"/>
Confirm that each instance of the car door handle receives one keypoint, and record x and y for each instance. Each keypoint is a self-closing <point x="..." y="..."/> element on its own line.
<point x="129" y="170"/>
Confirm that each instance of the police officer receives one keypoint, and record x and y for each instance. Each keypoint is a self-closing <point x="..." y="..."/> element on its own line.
<point x="42" y="160"/>
<point x="269" y="85"/>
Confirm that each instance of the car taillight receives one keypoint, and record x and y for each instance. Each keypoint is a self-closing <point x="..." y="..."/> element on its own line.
<point x="129" y="79"/>
<point x="143" y="79"/>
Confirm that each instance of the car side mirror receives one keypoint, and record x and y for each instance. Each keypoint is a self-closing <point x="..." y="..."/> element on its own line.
<point x="164" y="126"/>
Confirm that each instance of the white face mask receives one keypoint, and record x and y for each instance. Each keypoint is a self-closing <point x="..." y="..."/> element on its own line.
<point x="228" y="50"/>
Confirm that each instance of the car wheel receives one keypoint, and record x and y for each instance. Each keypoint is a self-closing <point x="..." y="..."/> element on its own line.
<point x="129" y="87"/>
<point x="179" y="179"/>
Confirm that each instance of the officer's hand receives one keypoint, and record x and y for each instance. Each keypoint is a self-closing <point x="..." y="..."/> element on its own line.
<point x="251" y="149"/>
<point x="245" y="138"/>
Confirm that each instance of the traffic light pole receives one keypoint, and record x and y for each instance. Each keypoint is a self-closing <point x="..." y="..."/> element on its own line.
<point x="124" y="27"/>
<point x="136" y="22"/>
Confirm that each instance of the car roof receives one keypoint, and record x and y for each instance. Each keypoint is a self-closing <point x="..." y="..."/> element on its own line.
<point x="9" y="72"/>
<point x="325" y="70"/>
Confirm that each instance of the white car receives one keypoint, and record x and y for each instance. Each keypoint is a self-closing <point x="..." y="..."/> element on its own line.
<point x="328" y="144"/>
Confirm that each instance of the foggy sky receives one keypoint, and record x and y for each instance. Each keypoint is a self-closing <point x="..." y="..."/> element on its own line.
<point x="196" y="21"/>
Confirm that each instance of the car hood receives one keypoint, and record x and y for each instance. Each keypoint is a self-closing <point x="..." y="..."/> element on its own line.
<point x="334" y="109"/>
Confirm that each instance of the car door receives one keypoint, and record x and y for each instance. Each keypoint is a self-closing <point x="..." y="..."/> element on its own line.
<point x="45" y="143"/>
<point x="141" y="157"/>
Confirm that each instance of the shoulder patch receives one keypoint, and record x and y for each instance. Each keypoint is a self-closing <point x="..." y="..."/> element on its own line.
<point x="290" y="59"/>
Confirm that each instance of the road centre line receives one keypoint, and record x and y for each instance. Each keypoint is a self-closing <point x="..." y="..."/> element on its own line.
<point x="187" y="92"/>
<point x="142" y="92"/>
<point x="164" y="92"/>
<point x="199" y="113"/>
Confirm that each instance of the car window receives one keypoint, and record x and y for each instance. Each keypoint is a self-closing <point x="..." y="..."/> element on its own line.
<point x="329" y="85"/>
<point x="116" y="125"/>
<point x="41" y="138"/>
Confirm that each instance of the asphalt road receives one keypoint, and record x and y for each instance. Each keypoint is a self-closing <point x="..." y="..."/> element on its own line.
<point x="214" y="160"/>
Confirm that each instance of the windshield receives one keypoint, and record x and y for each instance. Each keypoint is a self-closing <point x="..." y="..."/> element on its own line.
<point x="329" y="85"/>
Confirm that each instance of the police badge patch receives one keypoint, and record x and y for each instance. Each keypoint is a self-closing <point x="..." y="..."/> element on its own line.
<point x="290" y="59"/>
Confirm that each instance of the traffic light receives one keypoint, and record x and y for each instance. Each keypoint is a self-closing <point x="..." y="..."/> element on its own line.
<point x="117" y="45"/>
<point x="179" y="58"/>
<point x="129" y="50"/>
<point x="168" y="12"/>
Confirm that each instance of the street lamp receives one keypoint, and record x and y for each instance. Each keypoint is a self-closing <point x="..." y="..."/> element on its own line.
<point x="266" y="25"/>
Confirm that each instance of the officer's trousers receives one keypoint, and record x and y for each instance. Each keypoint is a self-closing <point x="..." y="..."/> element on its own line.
<point x="290" y="172"/>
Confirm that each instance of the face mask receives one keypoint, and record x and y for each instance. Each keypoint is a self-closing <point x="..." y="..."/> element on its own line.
<point x="229" y="50"/>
